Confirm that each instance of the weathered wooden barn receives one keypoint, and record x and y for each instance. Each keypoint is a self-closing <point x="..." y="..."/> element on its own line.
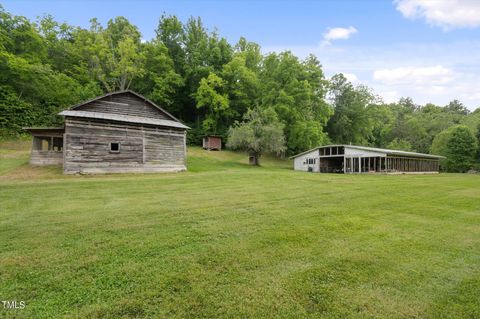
<point x="361" y="159"/>
<point x="120" y="132"/>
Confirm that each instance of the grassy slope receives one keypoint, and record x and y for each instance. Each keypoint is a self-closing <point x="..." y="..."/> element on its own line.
<point x="228" y="240"/>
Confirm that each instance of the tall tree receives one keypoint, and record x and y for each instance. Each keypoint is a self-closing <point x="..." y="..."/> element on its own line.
<point x="241" y="85"/>
<point x="456" y="107"/>
<point x="211" y="97"/>
<point x="171" y="33"/>
<point x="383" y="120"/>
<point x="350" y="122"/>
<point x="115" y="55"/>
<point x="296" y="91"/>
<point x="159" y="82"/>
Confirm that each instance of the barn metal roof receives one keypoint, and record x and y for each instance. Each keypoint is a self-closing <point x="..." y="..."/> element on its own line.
<point x="121" y="92"/>
<point x="374" y="149"/>
<point x="123" y="118"/>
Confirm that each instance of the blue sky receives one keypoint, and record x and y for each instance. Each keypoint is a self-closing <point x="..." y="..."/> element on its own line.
<point x="429" y="50"/>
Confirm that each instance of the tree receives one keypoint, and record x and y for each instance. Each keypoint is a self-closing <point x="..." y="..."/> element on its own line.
<point x="296" y="91"/>
<point x="458" y="145"/>
<point x="251" y="52"/>
<point x="408" y="104"/>
<point x="478" y="143"/>
<point x="170" y="32"/>
<point x="210" y="96"/>
<point x="398" y="144"/>
<point x="160" y="82"/>
<point x="382" y="119"/>
<point x="241" y="84"/>
<point x="350" y="122"/>
<point x="14" y="112"/>
<point x="261" y="132"/>
<point x="115" y="55"/>
<point x="456" y="107"/>
<point x="129" y="63"/>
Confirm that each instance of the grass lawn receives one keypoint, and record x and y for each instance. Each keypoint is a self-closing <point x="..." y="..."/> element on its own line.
<point x="226" y="240"/>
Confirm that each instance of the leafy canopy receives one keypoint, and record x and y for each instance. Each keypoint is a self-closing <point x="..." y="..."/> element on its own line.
<point x="259" y="133"/>
<point x="458" y="144"/>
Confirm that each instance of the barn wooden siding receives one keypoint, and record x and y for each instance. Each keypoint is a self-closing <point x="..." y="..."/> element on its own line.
<point x="47" y="146"/>
<point x="42" y="158"/>
<point x="142" y="148"/>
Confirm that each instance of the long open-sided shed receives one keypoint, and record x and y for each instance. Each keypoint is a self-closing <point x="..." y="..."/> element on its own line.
<point x="362" y="159"/>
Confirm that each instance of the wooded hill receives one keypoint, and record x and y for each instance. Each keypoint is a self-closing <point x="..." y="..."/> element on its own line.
<point x="209" y="83"/>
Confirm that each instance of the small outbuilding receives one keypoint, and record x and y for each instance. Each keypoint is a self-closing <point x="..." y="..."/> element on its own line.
<point x="361" y="159"/>
<point x="120" y="132"/>
<point x="47" y="145"/>
<point x="212" y="143"/>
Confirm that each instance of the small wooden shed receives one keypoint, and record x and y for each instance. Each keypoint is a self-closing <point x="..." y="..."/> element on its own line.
<point x="47" y="145"/>
<point x="212" y="143"/>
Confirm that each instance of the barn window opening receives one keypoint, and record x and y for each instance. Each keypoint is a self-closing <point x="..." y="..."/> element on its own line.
<point x="115" y="147"/>
<point x="45" y="144"/>
<point x="57" y="144"/>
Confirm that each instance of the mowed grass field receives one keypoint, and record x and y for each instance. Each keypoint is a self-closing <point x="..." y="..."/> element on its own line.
<point x="225" y="240"/>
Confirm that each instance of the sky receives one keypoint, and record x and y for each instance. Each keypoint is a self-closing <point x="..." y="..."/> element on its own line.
<point x="425" y="49"/>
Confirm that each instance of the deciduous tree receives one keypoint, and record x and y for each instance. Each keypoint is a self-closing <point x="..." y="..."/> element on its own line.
<point x="458" y="145"/>
<point x="259" y="133"/>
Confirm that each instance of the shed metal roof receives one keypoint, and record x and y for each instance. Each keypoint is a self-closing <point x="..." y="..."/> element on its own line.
<point x="374" y="149"/>
<point x="43" y="128"/>
<point x="123" y="118"/>
<point x="48" y="130"/>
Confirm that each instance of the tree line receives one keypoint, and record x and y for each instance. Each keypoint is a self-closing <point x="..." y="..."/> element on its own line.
<point x="277" y="100"/>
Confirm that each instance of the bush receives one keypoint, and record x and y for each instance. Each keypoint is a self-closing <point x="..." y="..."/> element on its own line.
<point x="14" y="113"/>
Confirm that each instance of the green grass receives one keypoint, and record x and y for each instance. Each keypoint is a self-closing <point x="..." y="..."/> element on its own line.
<point x="226" y="240"/>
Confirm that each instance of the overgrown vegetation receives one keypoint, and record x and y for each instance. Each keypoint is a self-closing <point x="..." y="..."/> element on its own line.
<point x="205" y="81"/>
<point x="227" y="240"/>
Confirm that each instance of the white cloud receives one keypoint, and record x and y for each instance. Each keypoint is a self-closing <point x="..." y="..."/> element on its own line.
<point x="350" y="77"/>
<point x="448" y="14"/>
<point x="339" y="33"/>
<point x="431" y="75"/>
